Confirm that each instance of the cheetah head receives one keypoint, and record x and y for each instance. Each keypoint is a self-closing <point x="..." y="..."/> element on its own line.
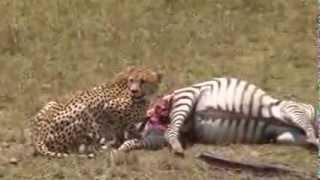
<point x="141" y="81"/>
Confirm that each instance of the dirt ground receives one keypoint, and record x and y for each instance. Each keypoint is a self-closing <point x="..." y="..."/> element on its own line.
<point x="51" y="48"/>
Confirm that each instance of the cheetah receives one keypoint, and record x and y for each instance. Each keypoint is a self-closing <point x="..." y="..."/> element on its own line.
<point x="94" y="116"/>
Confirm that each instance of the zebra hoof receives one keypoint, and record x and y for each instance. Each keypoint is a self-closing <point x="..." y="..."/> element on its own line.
<point x="313" y="142"/>
<point x="178" y="151"/>
<point x="179" y="154"/>
<point x="312" y="145"/>
<point x="177" y="148"/>
<point x="116" y="157"/>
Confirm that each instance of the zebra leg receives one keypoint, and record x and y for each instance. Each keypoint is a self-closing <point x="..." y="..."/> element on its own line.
<point x="295" y="138"/>
<point x="131" y="144"/>
<point x="181" y="108"/>
<point x="302" y="116"/>
<point x="153" y="140"/>
<point x="174" y="139"/>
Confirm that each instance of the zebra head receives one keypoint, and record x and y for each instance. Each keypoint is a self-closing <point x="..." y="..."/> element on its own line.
<point x="160" y="109"/>
<point x="157" y="116"/>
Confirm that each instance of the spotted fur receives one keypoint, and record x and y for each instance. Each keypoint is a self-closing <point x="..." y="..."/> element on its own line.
<point x="94" y="116"/>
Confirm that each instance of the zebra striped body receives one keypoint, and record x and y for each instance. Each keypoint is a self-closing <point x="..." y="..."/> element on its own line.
<point x="228" y="110"/>
<point x="218" y="127"/>
<point x="208" y="128"/>
<point x="236" y="97"/>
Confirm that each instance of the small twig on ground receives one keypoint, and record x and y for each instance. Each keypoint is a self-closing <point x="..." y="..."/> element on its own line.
<point x="220" y="160"/>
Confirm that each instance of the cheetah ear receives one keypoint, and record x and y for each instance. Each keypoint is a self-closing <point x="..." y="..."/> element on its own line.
<point x="123" y="74"/>
<point x="130" y="68"/>
<point x="159" y="76"/>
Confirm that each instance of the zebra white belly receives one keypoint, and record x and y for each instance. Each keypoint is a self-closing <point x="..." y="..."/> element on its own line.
<point x="213" y="130"/>
<point x="222" y="130"/>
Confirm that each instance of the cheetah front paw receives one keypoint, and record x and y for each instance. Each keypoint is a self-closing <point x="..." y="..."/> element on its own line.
<point x="60" y="155"/>
<point x="91" y="155"/>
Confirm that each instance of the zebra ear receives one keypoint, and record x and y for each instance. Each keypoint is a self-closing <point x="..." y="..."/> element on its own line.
<point x="140" y="126"/>
<point x="168" y="98"/>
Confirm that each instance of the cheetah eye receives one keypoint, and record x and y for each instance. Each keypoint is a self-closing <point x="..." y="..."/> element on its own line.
<point x="130" y="79"/>
<point x="142" y="81"/>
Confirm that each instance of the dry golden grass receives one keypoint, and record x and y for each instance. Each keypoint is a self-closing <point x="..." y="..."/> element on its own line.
<point x="50" y="48"/>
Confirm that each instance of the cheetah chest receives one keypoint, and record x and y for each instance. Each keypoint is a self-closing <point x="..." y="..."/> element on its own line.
<point x="127" y="113"/>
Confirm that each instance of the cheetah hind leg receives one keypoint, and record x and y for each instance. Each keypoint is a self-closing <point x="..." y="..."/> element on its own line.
<point x="43" y="149"/>
<point x="43" y="115"/>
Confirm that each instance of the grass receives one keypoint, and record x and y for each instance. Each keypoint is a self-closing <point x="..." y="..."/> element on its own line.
<point x="51" y="48"/>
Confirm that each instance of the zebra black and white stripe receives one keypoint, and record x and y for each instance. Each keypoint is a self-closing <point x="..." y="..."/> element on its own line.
<point x="152" y="139"/>
<point x="235" y="96"/>
<point x="208" y="128"/>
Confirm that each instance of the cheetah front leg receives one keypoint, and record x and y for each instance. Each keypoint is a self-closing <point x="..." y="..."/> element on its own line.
<point x="120" y="127"/>
<point x="101" y="136"/>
